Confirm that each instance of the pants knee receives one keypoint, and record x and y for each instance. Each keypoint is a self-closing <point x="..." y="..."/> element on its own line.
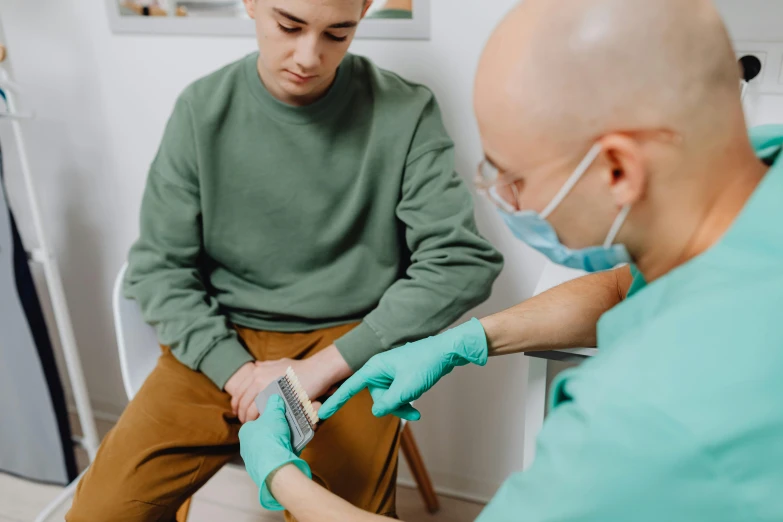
<point x="104" y="506"/>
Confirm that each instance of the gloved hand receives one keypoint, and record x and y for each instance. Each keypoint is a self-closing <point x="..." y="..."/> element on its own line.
<point x="265" y="446"/>
<point x="399" y="376"/>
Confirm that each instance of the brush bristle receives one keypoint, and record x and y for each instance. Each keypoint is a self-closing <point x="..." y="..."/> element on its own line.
<point x="301" y="395"/>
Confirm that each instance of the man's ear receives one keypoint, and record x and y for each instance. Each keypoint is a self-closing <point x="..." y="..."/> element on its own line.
<point x="250" y="8"/>
<point x="366" y="8"/>
<point x="627" y="174"/>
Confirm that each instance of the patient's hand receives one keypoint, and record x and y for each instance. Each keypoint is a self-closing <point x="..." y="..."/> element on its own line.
<point x="316" y="374"/>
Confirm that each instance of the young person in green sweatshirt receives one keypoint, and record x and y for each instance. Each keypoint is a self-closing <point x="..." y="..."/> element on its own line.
<point x="303" y="211"/>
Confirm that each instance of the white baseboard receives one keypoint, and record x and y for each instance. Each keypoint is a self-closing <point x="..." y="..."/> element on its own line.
<point x="105" y="412"/>
<point x="467" y="496"/>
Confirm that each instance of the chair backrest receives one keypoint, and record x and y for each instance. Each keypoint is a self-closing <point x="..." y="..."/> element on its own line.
<point x="136" y="340"/>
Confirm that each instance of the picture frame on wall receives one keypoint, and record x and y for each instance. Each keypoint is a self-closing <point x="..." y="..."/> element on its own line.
<point x="387" y="19"/>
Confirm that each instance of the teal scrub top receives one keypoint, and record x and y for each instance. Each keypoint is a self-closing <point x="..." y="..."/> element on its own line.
<point x="680" y="416"/>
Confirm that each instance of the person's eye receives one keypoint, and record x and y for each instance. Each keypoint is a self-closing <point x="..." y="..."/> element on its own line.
<point x="288" y="30"/>
<point x="335" y="38"/>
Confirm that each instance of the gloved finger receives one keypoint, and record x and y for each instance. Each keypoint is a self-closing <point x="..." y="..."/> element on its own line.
<point x="275" y="403"/>
<point x="381" y="409"/>
<point x="355" y="383"/>
<point x="378" y="398"/>
<point x="403" y="411"/>
<point x="274" y="406"/>
<point x="395" y="398"/>
<point x="407" y="412"/>
<point x="274" y="416"/>
<point x="245" y="434"/>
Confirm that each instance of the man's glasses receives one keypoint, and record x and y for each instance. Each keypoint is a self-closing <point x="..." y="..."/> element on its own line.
<point x="501" y="193"/>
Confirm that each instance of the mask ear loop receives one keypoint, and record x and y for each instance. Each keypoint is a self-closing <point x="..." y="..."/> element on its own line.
<point x="616" y="226"/>
<point x="572" y="181"/>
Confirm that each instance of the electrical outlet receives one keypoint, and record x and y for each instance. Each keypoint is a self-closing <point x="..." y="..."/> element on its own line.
<point x="770" y="54"/>
<point x="762" y="57"/>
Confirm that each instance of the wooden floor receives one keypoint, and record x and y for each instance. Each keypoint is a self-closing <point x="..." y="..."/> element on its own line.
<point x="229" y="497"/>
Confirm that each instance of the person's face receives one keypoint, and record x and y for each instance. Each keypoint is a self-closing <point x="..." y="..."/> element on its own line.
<point x="302" y="42"/>
<point x="530" y="168"/>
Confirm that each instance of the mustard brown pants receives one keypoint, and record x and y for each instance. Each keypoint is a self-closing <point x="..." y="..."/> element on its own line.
<point x="179" y="430"/>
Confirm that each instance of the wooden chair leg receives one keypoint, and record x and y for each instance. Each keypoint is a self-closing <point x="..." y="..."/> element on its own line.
<point x="416" y="465"/>
<point x="182" y="512"/>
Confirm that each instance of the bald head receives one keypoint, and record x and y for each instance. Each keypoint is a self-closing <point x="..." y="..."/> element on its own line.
<point x="568" y="71"/>
<point x="558" y="77"/>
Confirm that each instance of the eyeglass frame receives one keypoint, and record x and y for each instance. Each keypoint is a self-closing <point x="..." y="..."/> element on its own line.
<point x="489" y="189"/>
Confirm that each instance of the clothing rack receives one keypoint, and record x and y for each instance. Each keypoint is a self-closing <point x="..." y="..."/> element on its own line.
<point x="43" y="256"/>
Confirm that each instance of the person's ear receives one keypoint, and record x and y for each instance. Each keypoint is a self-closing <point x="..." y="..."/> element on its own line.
<point x="627" y="172"/>
<point x="250" y="8"/>
<point x="366" y="8"/>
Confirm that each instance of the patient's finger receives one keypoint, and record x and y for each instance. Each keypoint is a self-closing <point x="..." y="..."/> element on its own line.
<point x="252" y="412"/>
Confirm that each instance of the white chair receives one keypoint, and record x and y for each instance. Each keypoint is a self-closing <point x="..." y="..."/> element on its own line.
<point x="139" y="351"/>
<point x="136" y="340"/>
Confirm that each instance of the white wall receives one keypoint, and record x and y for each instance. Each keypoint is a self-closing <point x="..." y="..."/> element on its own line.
<point x="102" y="101"/>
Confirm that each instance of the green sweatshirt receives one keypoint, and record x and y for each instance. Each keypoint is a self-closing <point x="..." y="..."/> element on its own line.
<point x="392" y="14"/>
<point x="291" y="219"/>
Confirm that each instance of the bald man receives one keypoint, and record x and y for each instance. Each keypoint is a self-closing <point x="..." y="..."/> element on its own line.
<point x="614" y="134"/>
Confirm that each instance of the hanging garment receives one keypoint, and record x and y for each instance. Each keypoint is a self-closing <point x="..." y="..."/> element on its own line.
<point x="35" y="437"/>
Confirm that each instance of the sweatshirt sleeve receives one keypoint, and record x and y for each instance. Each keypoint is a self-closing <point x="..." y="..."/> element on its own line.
<point x="164" y="274"/>
<point x="452" y="267"/>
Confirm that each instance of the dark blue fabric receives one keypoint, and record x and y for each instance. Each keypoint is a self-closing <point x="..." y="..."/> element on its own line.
<point x="32" y="308"/>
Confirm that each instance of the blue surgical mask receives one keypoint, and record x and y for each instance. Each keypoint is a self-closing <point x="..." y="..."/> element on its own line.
<point x="533" y="228"/>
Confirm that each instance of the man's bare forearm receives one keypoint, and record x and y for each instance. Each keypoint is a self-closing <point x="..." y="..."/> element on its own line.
<point x="309" y="502"/>
<point x="563" y="317"/>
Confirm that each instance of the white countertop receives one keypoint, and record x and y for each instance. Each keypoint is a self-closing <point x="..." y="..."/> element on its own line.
<point x="552" y="276"/>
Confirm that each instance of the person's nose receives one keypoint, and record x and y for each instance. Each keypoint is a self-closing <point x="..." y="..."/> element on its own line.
<point x="307" y="54"/>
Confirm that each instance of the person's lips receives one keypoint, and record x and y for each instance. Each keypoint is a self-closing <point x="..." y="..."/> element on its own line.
<point x="299" y="78"/>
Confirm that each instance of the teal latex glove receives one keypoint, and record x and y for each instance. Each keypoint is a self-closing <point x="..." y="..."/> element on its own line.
<point x="399" y="376"/>
<point x="265" y="446"/>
